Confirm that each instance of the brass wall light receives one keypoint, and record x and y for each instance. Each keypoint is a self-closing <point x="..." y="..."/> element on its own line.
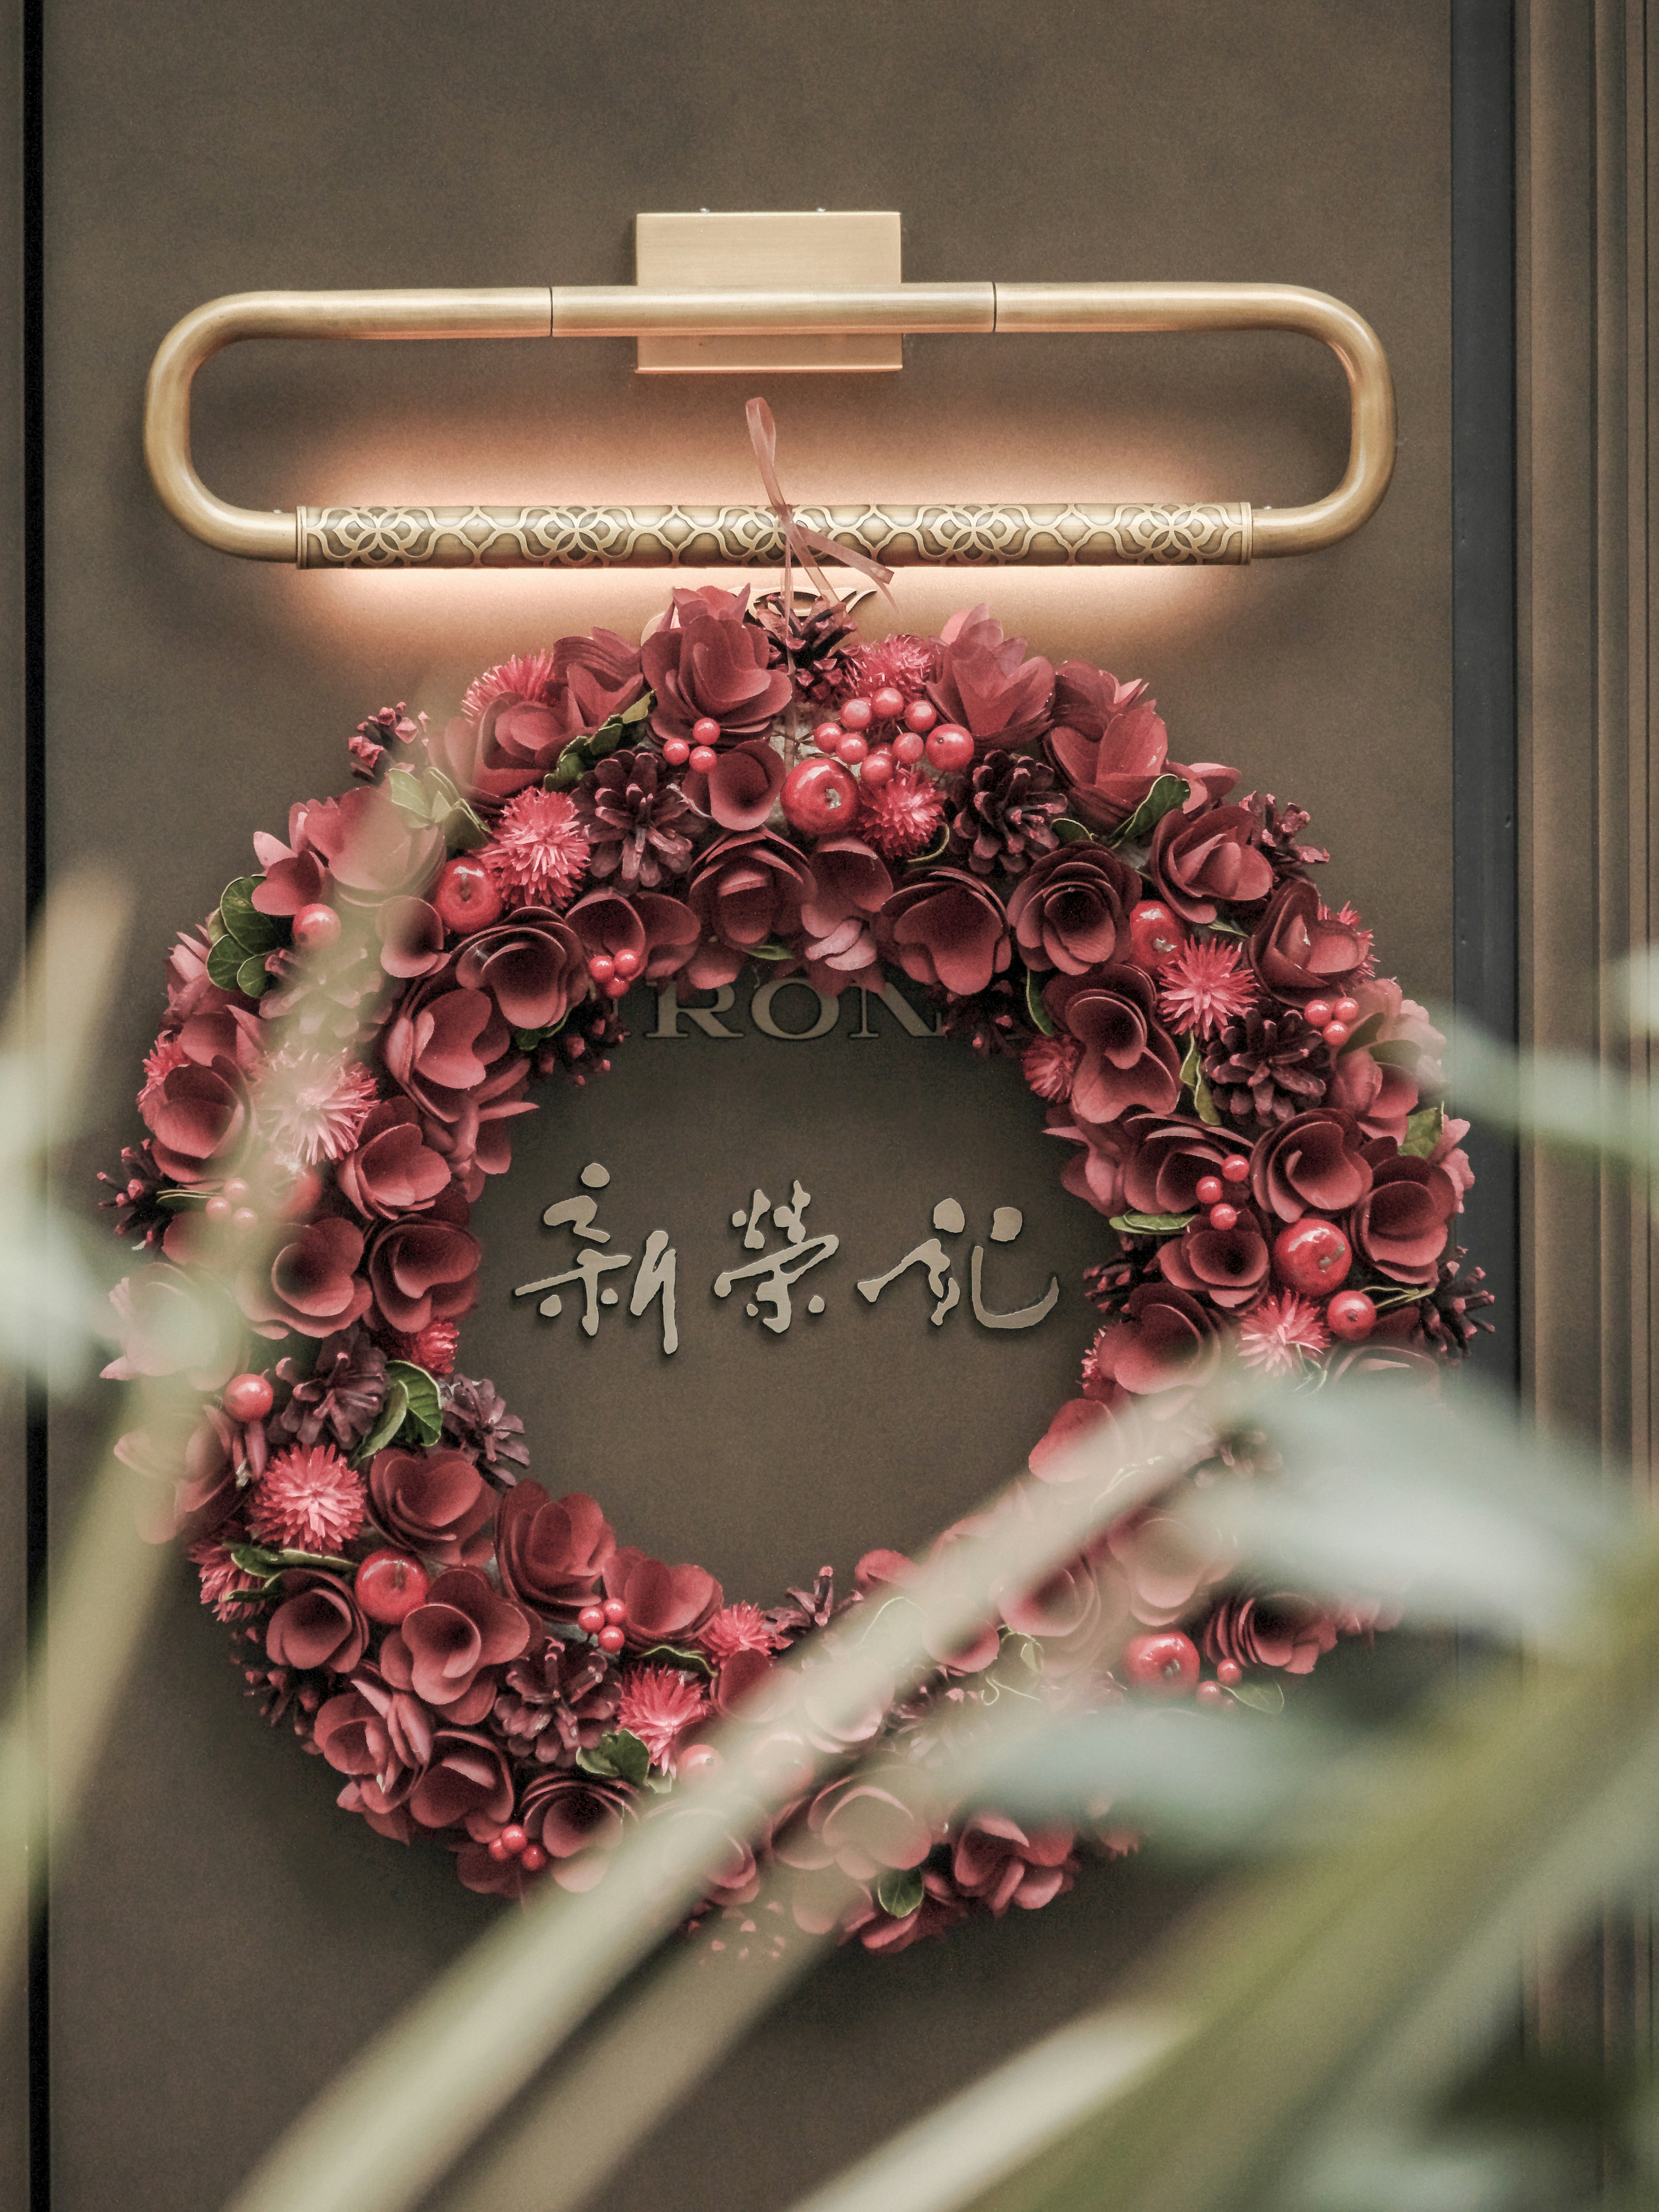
<point x="776" y="318"/>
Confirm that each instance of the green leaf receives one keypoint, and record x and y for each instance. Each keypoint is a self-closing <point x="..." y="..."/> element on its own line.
<point x="1072" y="833"/>
<point x="1151" y="1225"/>
<point x="250" y="976"/>
<point x="771" y="950"/>
<point x="618" y="1757"/>
<point x="1362" y="1036"/>
<point x="570" y="767"/>
<point x="901" y="1893"/>
<point x="424" y="1415"/>
<point x="262" y="1559"/>
<point x="641" y="707"/>
<point x="1220" y="928"/>
<point x="212" y="929"/>
<point x="1423" y="1131"/>
<point x="1204" y="1106"/>
<point x="1191" y="1066"/>
<point x="223" y="962"/>
<point x="253" y="931"/>
<point x="1035" y="1007"/>
<point x="392" y="1419"/>
<point x="1260" y="1696"/>
<point x="1167" y="794"/>
<point x="180" y="1198"/>
<point x="1399" y="1053"/>
<point x="463" y="830"/>
<point x="936" y="851"/>
<point x="678" y="1656"/>
<point x="404" y="789"/>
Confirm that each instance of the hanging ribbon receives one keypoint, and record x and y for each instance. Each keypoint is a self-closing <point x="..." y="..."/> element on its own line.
<point x="799" y="544"/>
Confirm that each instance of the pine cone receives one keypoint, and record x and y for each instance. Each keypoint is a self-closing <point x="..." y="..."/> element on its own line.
<point x="1280" y="828"/>
<point x="545" y="1700"/>
<point x="635" y="821"/>
<point x="810" y="641"/>
<point x="1445" y="1314"/>
<point x="1265" y="1067"/>
<point x="1003" y="813"/>
<point x="475" y="1416"/>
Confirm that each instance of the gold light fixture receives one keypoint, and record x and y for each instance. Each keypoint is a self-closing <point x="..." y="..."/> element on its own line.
<point x="763" y="326"/>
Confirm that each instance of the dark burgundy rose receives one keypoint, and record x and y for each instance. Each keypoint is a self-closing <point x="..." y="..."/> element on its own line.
<point x="1400" y="1226"/>
<point x="441" y="1045"/>
<point x="1095" y="1174"/>
<point x="171" y="1323"/>
<point x="879" y="1930"/>
<point x="380" y="1736"/>
<point x="436" y="1502"/>
<point x="1229" y="1266"/>
<point x="411" y="935"/>
<point x="1109" y="743"/>
<point x="442" y="1650"/>
<point x="746" y="1676"/>
<point x="531" y="965"/>
<point x="686" y="1832"/>
<point x="316" y="1625"/>
<point x="1277" y="1630"/>
<point x="294" y="875"/>
<point x="661" y="1605"/>
<point x="1312" y="1163"/>
<point x="1001" y="1863"/>
<point x="311" y="1284"/>
<point x="189" y="1468"/>
<point x="659" y="931"/>
<point x="1129" y="1059"/>
<point x="552" y="1553"/>
<point x="475" y="766"/>
<point x="590" y="679"/>
<point x="1297" y="955"/>
<point x="746" y="890"/>
<point x="1203" y="861"/>
<point x="1063" y="1605"/>
<point x="370" y="848"/>
<point x="571" y="1815"/>
<point x="422" y="1270"/>
<point x="1074" y="1421"/>
<point x="946" y="928"/>
<point x="714" y="665"/>
<point x="986" y="684"/>
<point x="1163" y="1337"/>
<point x="1169" y="1162"/>
<point x="467" y="1779"/>
<point x="850" y="884"/>
<point x="1071" y="911"/>
<point x="391" y="1171"/>
<point x="738" y="792"/>
<point x="197" y="1114"/>
<point x="864" y="1824"/>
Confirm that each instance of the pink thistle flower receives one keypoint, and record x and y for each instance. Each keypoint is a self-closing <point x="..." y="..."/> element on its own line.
<point x="1350" y="919"/>
<point x="735" y="1628"/>
<point x="526" y="676"/>
<point x="1200" y="986"/>
<point x="433" y="1347"/>
<point x="307" y="1499"/>
<point x="163" y="1056"/>
<point x="222" y="1580"/>
<point x="909" y="663"/>
<point x="1048" y="1064"/>
<point x="539" y="850"/>
<point x="1280" y="1334"/>
<point x="658" y="1705"/>
<point x="902" y="818"/>
<point x="311" y="1105"/>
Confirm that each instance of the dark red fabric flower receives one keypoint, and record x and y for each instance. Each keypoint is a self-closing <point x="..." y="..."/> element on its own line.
<point x="1001" y="1863"/>
<point x="1203" y="861"/>
<point x="1095" y="1174"/>
<point x="738" y="792"/>
<point x="552" y="1553"/>
<point x="170" y="1322"/>
<point x="371" y="849"/>
<point x="986" y="684"/>
<point x="1163" y="1337"/>
<point x="1297" y="955"/>
<point x="436" y="1502"/>
<point x="1071" y="911"/>
<point x="1315" y="1162"/>
<point x="195" y="1115"/>
<point x="391" y="1171"/>
<point x="532" y="966"/>
<point x="1277" y="1630"/>
<point x="850" y="884"/>
<point x="311" y="1284"/>
<point x="661" y="1605"/>
<point x="571" y="1815"/>
<point x="411" y="934"/>
<point x="318" y="1623"/>
<point x="1109" y="742"/>
<point x="712" y="665"/>
<point x="1128" y="1058"/>
<point x="442" y="1649"/>
<point x="466" y="1779"/>
<point x="380" y="1736"/>
<point x="441" y="1045"/>
<point x="1169" y="1161"/>
<point x="865" y="1825"/>
<point x="422" y="1271"/>
<point x="746" y="890"/>
<point x="1229" y="1266"/>
<point x="661" y="932"/>
<point x="1400" y="1226"/>
<point x="946" y="928"/>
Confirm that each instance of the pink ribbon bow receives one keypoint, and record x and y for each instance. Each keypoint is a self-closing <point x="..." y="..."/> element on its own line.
<point x="799" y="544"/>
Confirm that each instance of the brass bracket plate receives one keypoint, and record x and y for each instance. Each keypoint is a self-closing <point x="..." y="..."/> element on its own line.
<point x="767" y="252"/>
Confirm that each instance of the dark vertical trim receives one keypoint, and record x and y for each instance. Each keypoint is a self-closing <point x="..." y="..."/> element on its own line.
<point x="32" y="276"/>
<point x="1486" y="879"/>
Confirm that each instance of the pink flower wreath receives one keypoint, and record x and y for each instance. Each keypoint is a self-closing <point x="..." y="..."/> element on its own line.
<point x="1251" y="1107"/>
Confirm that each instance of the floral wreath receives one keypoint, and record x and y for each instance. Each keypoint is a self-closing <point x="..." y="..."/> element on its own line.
<point x="1251" y="1108"/>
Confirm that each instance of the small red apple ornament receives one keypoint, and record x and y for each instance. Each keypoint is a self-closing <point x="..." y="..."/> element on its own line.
<point x="389" y="1586"/>
<point x="1313" y="1256"/>
<point x="1351" y="1315"/>
<point x="1155" y="934"/>
<point x="820" y="795"/>
<point x="465" y="896"/>
<point x="1166" y="1663"/>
